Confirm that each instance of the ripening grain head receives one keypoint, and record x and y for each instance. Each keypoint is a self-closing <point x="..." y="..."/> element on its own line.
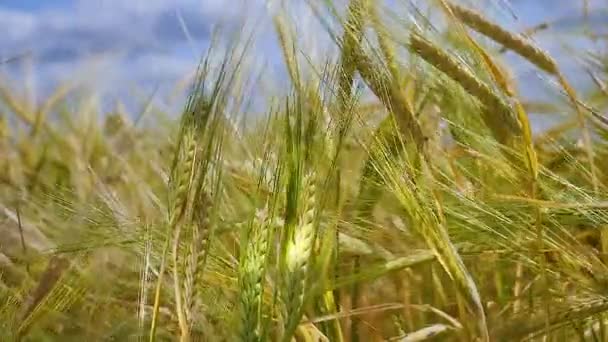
<point x="518" y="44"/>
<point x="498" y="116"/>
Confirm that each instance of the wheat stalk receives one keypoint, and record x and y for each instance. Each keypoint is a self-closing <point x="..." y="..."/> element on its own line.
<point x="185" y="171"/>
<point x="178" y="191"/>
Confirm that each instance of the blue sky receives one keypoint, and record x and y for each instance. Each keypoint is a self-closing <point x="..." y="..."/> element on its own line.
<point x="112" y="46"/>
<point x="118" y="46"/>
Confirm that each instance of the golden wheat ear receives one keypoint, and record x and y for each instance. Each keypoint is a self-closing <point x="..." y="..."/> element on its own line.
<point x="498" y="115"/>
<point x="525" y="48"/>
<point x="519" y="44"/>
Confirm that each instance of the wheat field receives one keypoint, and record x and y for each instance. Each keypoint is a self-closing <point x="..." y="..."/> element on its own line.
<point x="394" y="190"/>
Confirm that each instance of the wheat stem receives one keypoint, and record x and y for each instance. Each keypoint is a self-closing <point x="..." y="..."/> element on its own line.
<point x="159" y="283"/>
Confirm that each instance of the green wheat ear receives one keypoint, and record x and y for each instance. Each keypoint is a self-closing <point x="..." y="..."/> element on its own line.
<point x="298" y="256"/>
<point x="191" y="190"/>
<point x="251" y="276"/>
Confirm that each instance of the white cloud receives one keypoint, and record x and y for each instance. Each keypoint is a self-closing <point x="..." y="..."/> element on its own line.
<point x="142" y="41"/>
<point x="112" y="42"/>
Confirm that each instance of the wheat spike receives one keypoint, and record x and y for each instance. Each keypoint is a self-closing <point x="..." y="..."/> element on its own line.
<point x="251" y="273"/>
<point x="516" y="43"/>
<point x="288" y="49"/>
<point x="351" y="40"/>
<point x="387" y="49"/>
<point x="391" y="96"/>
<point x="522" y="46"/>
<point x="526" y="327"/>
<point x="182" y="177"/>
<point x="297" y="263"/>
<point x="182" y="184"/>
<point x="497" y="115"/>
<point x="197" y="253"/>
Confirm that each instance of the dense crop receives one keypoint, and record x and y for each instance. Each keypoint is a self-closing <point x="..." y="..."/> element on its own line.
<point x="394" y="192"/>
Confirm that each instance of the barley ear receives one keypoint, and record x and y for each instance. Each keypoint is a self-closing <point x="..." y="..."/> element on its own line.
<point x="197" y="253"/>
<point x="351" y="42"/>
<point x="497" y="114"/>
<point x="522" y="46"/>
<point x="516" y="43"/>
